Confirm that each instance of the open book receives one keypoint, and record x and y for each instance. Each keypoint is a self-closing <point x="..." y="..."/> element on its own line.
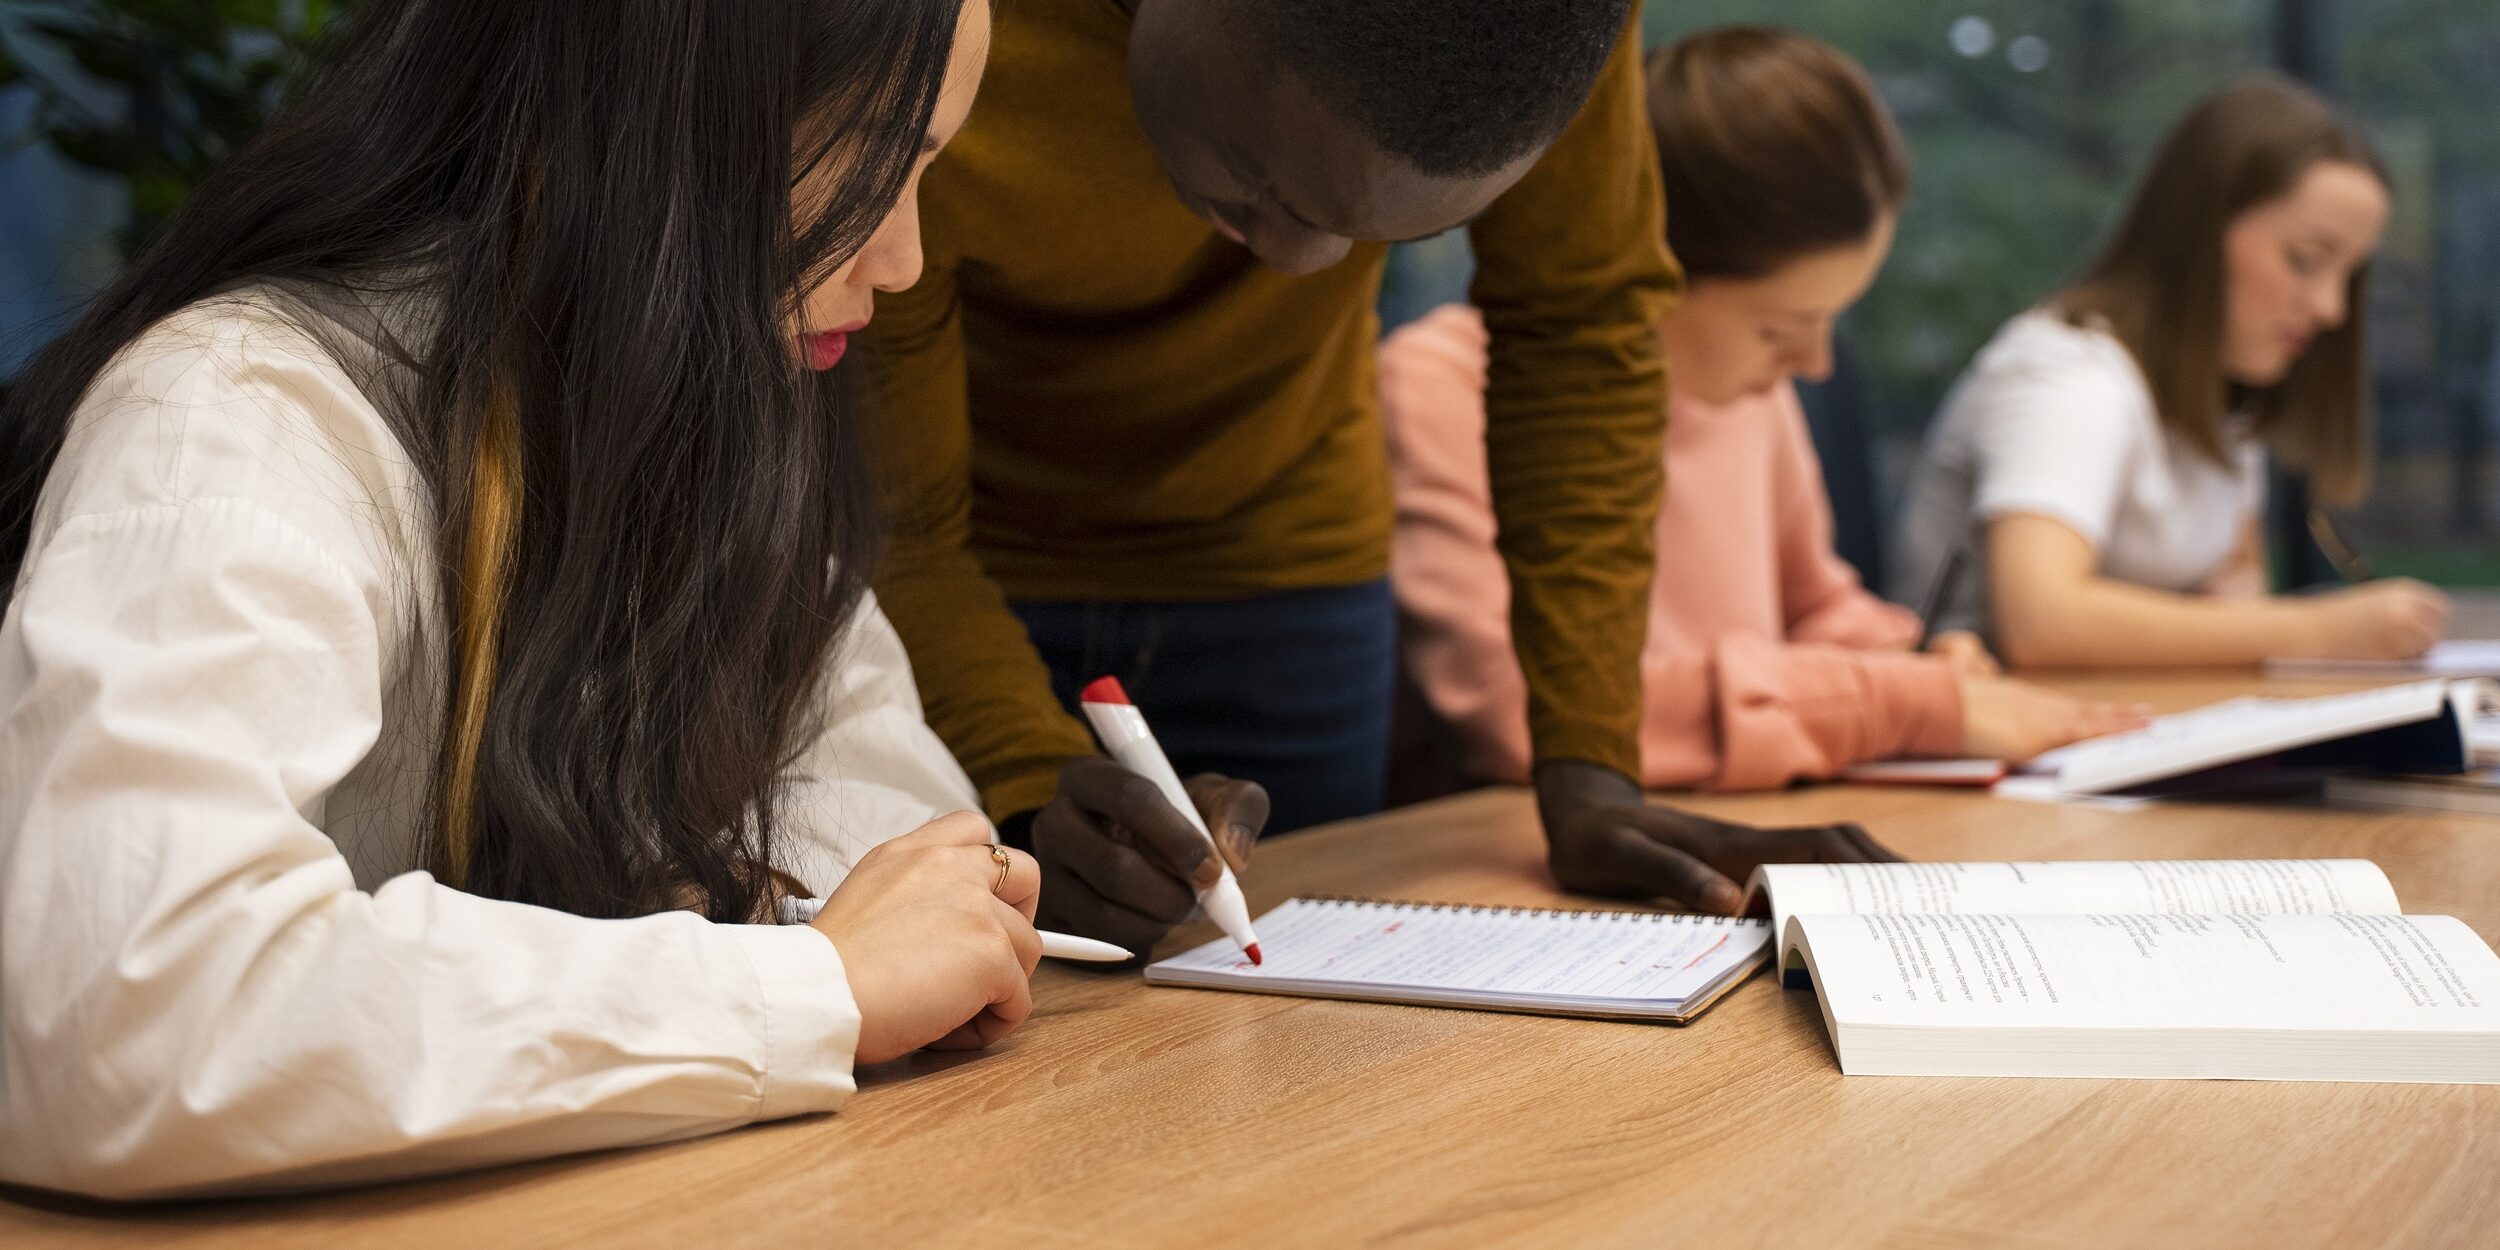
<point x="1609" y="964"/>
<point x="2420" y="727"/>
<point x="2256" y="969"/>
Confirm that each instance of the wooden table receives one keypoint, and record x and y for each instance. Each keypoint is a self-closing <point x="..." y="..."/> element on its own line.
<point x="1123" y="1116"/>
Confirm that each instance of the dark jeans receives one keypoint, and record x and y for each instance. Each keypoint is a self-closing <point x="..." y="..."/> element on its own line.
<point x="1289" y="690"/>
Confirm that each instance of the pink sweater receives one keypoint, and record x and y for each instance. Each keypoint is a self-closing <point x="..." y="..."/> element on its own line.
<point x="1767" y="661"/>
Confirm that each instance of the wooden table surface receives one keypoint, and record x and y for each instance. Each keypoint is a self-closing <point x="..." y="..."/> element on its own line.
<point x="1123" y="1116"/>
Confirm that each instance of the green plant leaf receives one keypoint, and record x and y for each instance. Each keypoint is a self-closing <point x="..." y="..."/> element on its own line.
<point x="204" y="75"/>
<point x="189" y="23"/>
<point x="113" y="151"/>
<point x="157" y="195"/>
<point x="266" y="15"/>
<point x="104" y="56"/>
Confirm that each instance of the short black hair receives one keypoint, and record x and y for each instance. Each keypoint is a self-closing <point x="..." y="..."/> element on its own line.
<point x="1458" y="87"/>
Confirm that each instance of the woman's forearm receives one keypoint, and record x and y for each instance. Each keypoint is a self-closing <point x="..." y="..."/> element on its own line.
<point x="2101" y="622"/>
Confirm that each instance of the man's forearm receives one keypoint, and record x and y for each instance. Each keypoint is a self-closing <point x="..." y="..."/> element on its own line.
<point x="1573" y="276"/>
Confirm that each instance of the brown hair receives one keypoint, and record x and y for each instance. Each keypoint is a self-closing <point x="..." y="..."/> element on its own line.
<point x="1772" y="145"/>
<point x="2159" y="283"/>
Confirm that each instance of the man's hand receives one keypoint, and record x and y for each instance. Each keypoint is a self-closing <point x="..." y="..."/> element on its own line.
<point x="1120" y="863"/>
<point x="1602" y="837"/>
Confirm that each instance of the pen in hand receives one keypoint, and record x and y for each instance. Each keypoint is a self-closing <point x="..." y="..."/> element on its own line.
<point x="1054" y="945"/>
<point x="2339" y="550"/>
<point x="1123" y="731"/>
<point x="1940" y="595"/>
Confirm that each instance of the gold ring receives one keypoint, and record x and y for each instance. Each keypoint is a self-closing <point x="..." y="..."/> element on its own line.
<point x="1005" y="862"/>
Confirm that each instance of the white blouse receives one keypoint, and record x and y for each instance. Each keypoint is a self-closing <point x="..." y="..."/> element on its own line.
<point x="2055" y="420"/>
<point x="219" y="966"/>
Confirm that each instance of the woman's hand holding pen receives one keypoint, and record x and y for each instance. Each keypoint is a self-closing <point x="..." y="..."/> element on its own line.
<point x="2393" y="618"/>
<point x="936" y="937"/>
<point x="1119" y="863"/>
<point x="1604" y="837"/>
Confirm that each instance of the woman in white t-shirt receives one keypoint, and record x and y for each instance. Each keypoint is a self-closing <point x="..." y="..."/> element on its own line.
<point x="435" y="643"/>
<point x="2092" y="488"/>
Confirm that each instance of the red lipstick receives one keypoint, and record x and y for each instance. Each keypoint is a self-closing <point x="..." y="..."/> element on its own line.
<point x="825" y="349"/>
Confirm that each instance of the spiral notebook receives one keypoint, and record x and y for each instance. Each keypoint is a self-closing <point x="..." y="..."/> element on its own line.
<point x="1604" y="964"/>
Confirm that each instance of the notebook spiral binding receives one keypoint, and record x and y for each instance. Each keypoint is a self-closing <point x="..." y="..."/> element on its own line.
<point x="1484" y="909"/>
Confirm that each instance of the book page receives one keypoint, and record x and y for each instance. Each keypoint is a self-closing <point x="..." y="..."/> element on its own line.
<point x="2109" y="971"/>
<point x="2188" y="886"/>
<point x="2235" y="729"/>
<point x="1534" y="955"/>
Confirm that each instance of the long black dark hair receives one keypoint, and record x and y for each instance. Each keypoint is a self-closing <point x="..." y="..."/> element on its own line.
<point x="652" y="522"/>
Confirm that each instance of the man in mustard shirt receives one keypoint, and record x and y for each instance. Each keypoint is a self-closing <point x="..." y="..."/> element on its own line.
<point x="1128" y="423"/>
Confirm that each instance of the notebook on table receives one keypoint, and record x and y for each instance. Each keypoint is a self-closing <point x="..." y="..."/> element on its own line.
<point x="1603" y="964"/>
<point x="1976" y="774"/>
<point x="2419" y="727"/>
<point x="2475" y="794"/>
<point x="2247" y="969"/>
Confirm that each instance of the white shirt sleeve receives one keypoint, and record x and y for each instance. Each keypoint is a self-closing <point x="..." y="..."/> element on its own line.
<point x="196" y="994"/>
<point x="875" y="770"/>
<point x="2058" y="438"/>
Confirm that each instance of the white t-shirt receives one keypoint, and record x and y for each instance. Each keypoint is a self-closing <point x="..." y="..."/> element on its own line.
<point x="2055" y="419"/>
<point x="220" y="964"/>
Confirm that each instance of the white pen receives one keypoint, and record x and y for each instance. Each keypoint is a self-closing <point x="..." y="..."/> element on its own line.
<point x="1054" y="945"/>
<point x="1123" y="731"/>
<point x="1081" y="949"/>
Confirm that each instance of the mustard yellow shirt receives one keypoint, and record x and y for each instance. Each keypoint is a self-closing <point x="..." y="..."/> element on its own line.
<point x="1092" y="395"/>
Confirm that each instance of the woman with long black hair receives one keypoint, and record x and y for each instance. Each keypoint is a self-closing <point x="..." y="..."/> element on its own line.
<point x="436" y="645"/>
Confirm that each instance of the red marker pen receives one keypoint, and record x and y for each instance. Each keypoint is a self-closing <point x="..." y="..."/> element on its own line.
<point x="1123" y="731"/>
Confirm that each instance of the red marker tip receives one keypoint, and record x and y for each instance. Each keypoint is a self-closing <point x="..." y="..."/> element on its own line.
<point x="1252" y="950"/>
<point x="1105" y="690"/>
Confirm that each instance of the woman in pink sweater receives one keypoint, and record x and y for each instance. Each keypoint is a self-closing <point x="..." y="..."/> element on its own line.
<point x="1767" y="661"/>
